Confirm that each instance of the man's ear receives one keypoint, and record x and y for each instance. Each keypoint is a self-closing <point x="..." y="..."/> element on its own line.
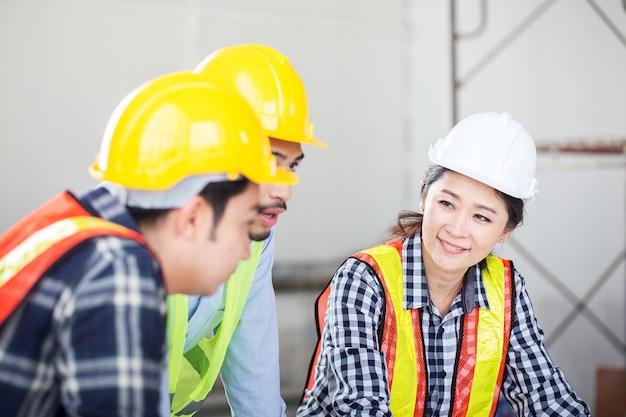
<point x="191" y="217"/>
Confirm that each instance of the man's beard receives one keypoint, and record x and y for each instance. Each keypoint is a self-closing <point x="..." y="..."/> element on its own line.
<point x="260" y="235"/>
<point x="263" y="234"/>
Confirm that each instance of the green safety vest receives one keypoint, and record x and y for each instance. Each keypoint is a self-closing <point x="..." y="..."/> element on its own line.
<point x="192" y="374"/>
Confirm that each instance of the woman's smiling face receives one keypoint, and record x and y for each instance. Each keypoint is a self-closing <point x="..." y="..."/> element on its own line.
<point x="463" y="220"/>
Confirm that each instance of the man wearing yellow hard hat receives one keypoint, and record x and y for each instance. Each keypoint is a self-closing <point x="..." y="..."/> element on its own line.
<point x="234" y="333"/>
<point x="83" y="279"/>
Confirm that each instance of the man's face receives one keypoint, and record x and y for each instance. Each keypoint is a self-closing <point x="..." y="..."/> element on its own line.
<point x="202" y="255"/>
<point x="274" y="197"/>
<point x="229" y="244"/>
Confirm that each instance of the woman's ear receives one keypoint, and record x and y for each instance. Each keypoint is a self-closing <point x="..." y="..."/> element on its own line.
<point x="505" y="236"/>
<point x="421" y="203"/>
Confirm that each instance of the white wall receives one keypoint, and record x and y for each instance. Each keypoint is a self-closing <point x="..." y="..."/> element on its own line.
<point x="68" y="63"/>
<point x="378" y="77"/>
<point x="558" y="68"/>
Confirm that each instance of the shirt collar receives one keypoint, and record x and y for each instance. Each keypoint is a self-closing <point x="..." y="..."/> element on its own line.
<point x="416" y="293"/>
<point x="102" y="203"/>
<point x="414" y="279"/>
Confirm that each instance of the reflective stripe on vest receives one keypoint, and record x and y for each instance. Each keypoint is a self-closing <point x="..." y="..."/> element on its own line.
<point x="35" y="243"/>
<point x="192" y="374"/>
<point x="486" y="334"/>
<point x="485" y="337"/>
<point x="402" y="334"/>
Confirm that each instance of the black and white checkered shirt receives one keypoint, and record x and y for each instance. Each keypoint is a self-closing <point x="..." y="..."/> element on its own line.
<point x="352" y="374"/>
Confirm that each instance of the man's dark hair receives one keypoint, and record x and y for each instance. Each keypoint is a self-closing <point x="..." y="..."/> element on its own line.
<point x="216" y="194"/>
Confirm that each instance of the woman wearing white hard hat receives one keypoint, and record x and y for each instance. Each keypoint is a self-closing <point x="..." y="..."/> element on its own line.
<point x="430" y="323"/>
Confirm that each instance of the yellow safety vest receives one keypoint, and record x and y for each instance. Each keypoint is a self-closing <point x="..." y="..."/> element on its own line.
<point x="481" y="354"/>
<point x="192" y="374"/>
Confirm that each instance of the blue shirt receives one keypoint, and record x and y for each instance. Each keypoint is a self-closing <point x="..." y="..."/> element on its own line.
<point x="251" y="370"/>
<point x="352" y="375"/>
<point x="89" y="339"/>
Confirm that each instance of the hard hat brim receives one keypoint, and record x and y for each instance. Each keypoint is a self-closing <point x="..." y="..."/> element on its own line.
<point x="315" y="142"/>
<point x="280" y="177"/>
<point x="307" y="140"/>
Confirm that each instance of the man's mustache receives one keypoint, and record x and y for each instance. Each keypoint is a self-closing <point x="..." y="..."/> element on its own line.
<point x="278" y="204"/>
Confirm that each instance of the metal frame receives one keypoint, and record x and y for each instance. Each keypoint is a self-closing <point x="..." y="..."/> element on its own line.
<point x="459" y="83"/>
<point x="579" y="304"/>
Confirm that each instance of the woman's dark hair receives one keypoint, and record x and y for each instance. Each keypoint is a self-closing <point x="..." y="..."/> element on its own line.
<point x="409" y="222"/>
<point x="216" y="194"/>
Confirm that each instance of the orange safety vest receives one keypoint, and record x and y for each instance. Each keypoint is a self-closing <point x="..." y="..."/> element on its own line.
<point x="35" y="243"/>
<point x="481" y="355"/>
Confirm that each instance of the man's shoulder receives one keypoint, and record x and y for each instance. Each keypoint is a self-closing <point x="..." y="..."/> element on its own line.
<point x="103" y="259"/>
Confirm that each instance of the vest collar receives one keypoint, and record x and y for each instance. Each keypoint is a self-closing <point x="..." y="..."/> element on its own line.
<point x="102" y="203"/>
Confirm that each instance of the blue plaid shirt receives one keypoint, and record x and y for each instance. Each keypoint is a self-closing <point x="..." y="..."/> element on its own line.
<point x="352" y="375"/>
<point x="89" y="339"/>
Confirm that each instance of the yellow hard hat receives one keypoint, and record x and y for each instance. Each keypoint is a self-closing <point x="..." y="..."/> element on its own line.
<point x="181" y="125"/>
<point x="271" y="85"/>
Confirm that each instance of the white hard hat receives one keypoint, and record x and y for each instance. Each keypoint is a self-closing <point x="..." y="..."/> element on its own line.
<point x="494" y="149"/>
